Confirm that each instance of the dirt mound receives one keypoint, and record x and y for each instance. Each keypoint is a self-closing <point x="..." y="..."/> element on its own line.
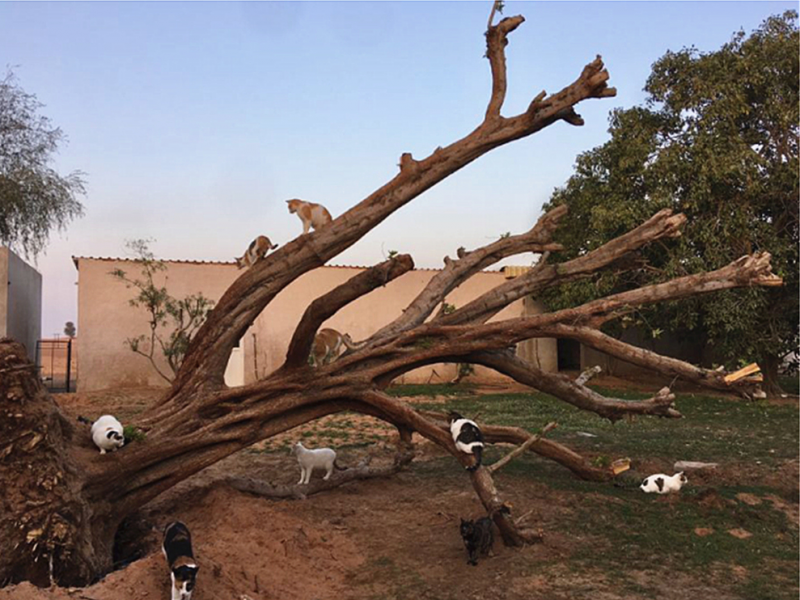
<point x="257" y="550"/>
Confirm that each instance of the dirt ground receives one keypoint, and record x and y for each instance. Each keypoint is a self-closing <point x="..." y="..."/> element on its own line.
<point x="377" y="539"/>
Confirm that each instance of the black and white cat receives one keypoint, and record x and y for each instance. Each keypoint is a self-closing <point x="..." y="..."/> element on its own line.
<point x="183" y="569"/>
<point x="478" y="538"/>
<point x="106" y="433"/>
<point x="467" y="437"/>
<point x="664" y="484"/>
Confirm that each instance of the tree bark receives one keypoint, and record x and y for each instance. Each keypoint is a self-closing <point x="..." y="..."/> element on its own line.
<point x="64" y="500"/>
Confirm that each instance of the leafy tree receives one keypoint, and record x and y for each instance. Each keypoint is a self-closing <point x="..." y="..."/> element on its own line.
<point x="172" y="322"/>
<point x="717" y="139"/>
<point x="34" y="198"/>
<point x="69" y="329"/>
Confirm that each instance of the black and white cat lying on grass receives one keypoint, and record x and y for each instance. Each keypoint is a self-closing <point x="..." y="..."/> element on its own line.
<point x="664" y="484"/>
<point x="106" y="433"/>
<point x="321" y="458"/>
<point x="478" y="538"/>
<point x="467" y="437"/>
<point x="183" y="569"/>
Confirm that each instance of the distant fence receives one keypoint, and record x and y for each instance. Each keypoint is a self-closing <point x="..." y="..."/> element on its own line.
<point x="57" y="364"/>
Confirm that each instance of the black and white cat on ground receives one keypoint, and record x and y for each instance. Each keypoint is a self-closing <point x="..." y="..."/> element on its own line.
<point x="467" y="437"/>
<point x="183" y="568"/>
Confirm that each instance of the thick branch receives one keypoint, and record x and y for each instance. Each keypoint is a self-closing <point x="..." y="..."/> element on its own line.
<point x="671" y="367"/>
<point x="327" y="305"/>
<point x="570" y="391"/>
<point x="206" y="359"/>
<point x="538" y="239"/>
<point x="498" y="434"/>
<point x="661" y="225"/>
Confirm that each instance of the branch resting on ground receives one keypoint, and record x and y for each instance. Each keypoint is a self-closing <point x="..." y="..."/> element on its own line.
<point x="493" y="468"/>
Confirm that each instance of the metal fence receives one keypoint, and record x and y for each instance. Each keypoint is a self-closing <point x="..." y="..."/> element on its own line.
<point x="57" y="365"/>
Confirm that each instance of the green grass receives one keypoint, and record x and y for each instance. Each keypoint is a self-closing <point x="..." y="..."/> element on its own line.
<point x="622" y="529"/>
<point x="712" y="429"/>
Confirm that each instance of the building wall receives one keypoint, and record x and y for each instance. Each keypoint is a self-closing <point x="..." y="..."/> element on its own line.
<point x="20" y="301"/>
<point x="105" y="318"/>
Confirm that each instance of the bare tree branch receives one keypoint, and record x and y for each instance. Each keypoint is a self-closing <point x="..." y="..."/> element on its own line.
<point x="496" y="41"/>
<point x="569" y="459"/>
<point x="584" y="377"/>
<point x="568" y="390"/>
<point x="207" y="356"/>
<point x="662" y="224"/>
<point x="493" y="468"/>
<point x="647" y="359"/>
<point x="538" y="239"/>
<point x="328" y="304"/>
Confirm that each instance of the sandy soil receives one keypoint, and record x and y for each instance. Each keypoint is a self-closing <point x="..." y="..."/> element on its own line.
<point x="343" y="544"/>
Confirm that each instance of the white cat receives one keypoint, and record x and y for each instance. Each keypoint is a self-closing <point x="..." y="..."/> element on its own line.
<point x="663" y="484"/>
<point x="322" y="458"/>
<point x="311" y="214"/>
<point x="107" y="434"/>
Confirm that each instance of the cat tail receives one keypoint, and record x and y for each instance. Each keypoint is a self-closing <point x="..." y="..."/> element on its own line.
<point x="338" y="466"/>
<point x="84" y="420"/>
<point x="478" y="452"/>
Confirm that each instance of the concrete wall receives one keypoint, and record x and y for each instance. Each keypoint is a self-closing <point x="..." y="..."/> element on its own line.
<point x="105" y="319"/>
<point x="20" y="301"/>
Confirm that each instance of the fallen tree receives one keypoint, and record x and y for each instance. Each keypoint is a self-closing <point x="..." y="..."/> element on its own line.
<point x="64" y="501"/>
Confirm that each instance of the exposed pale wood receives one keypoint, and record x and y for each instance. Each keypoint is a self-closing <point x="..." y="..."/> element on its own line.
<point x="584" y="377"/>
<point x="742" y="373"/>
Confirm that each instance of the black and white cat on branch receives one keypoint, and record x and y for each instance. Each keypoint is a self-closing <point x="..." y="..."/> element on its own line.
<point x="467" y="437"/>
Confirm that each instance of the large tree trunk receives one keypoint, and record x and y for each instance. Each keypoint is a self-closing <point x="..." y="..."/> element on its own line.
<point x="770" y="365"/>
<point x="64" y="500"/>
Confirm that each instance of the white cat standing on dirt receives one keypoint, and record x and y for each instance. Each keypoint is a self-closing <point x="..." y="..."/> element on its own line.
<point x="321" y="458"/>
<point x="663" y="484"/>
<point x="311" y="214"/>
<point x="106" y="433"/>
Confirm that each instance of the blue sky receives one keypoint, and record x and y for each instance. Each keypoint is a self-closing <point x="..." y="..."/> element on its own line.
<point x="194" y="121"/>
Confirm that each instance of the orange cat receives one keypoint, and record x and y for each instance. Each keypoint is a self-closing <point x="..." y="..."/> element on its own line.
<point x="328" y="344"/>
<point x="312" y="215"/>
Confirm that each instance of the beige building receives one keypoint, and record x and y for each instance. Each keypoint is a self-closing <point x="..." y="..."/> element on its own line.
<point x="20" y="301"/>
<point x="106" y="319"/>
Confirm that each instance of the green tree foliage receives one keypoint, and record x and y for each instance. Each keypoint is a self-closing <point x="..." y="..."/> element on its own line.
<point x="34" y="198"/>
<point x="716" y="139"/>
<point x="172" y="322"/>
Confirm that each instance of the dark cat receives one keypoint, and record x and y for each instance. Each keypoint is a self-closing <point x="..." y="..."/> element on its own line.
<point x="478" y="538"/>
<point x="180" y="558"/>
